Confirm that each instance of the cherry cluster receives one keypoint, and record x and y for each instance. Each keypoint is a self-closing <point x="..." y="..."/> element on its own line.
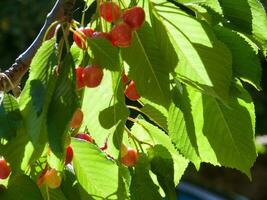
<point x="120" y="35"/>
<point x="124" y="24"/>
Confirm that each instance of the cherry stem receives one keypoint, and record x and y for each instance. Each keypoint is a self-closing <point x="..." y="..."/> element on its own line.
<point x="136" y="139"/>
<point x="48" y="31"/>
<point x="47" y="192"/>
<point x="65" y="36"/>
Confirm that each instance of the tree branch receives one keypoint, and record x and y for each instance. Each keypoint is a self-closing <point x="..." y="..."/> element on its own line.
<point x="12" y="76"/>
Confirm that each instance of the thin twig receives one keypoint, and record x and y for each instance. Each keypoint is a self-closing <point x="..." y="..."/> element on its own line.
<point x="61" y="10"/>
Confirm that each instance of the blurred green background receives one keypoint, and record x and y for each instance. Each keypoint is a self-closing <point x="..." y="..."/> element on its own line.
<point x="20" y="22"/>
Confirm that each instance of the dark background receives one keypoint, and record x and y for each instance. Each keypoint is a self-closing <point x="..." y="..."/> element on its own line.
<point x="21" y="20"/>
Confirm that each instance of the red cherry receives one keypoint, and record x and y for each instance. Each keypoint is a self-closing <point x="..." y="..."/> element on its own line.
<point x="77" y="119"/>
<point x="52" y="179"/>
<point x="130" y="158"/>
<point x="85" y="136"/>
<point x="4" y="169"/>
<point x="124" y="78"/>
<point x="110" y="11"/>
<point x="121" y="35"/>
<point x="131" y="92"/>
<point x="80" y="39"/>
<point x="104" y="35"/>
<point x="134" y="17"/>
<point x="69" y="155"/>
<point x="92" y="76"/>
<point x="79" y="79"/>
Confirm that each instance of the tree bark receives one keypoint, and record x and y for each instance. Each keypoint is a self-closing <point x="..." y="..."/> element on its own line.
<point x="10" y="78"/>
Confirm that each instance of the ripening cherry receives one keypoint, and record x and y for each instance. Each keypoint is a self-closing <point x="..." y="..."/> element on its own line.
<point x="134" y="17"/>
<point x="124" y="78"/>
<point x="69" y="155"/>
<point x="80" y="39"/>
<point x="130" y="157"/>
<point x="121" y="35"/>
<point x="85" y="136"/>
<point x="79" y="79"/>
<point x="92" y="76"/>
<point x="4" y="169"/>
<point x="131" y="92"/>
<point x="110" y="11"/>
<point x="77" y="119"/>
<point x="52" y="178"/>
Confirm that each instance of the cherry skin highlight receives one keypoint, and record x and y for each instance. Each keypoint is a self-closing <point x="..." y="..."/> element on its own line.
<point x="92" y="76"/>
<point x="131" y="157"/>
<point x="4" y="169"/>
<point x="77" y="119"/>
<point x="121" y="35"/>
<point x="104" y="35"/>
<point x="69" y="155"/>
<point x="79" y="79"/>
<point x="80" y="39"/>
<point x="85" y="136"/>
<point x="110" y="11"/>
<point x="131" y="92"/>
<point x="134" y="17"/>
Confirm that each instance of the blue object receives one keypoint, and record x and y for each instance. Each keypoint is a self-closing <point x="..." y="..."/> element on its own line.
<point x="188" y="191"/>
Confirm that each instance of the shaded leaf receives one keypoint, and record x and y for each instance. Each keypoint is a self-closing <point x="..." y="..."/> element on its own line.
<point x="62" y="106"/>
<point x="162" y="166"/>
<point x="10" y="117"/>
<point x="142" y="186"/>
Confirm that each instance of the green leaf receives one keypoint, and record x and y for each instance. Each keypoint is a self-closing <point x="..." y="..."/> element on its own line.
<point x="96" y="173"/>
<point x="190" y="1"/>
<point x="105" y="112"/>
<point x="213" y="5"/>
<point x="142" y="186"/>
<point x="246" y="63"/>
<point x="156" y="113"/>
<point x="70" y="186"/>
<point x="204" y="61"/>
<point x="37" y="93"/>
<point x="19" y="152"/>
<point x="146" y="132"/>
<point x="153" y="83"/>
<point x="247" y="16"/>
<point x="62" y="106"/>
<point x="54" y="194"/>
<point x="224" y="134"/>
<point x="89" y="2"/>
<point x="10" y="117"/>
<point x="105" y="55"/>
<point x="77" y="54"/>
<point x="22" y="188"/>
<point x="179" y="119"/>
<point x="162" y="166"/>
